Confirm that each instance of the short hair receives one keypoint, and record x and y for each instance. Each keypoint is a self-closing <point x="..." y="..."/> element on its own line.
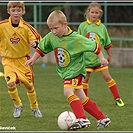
<point x="16" y="4"/>
<point x="57" y="15"/>
<point x="91" y="5"/>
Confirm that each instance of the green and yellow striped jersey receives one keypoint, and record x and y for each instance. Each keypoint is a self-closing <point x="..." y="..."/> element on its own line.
<point x="98" y="33"/>
<point x="68" y="51"/>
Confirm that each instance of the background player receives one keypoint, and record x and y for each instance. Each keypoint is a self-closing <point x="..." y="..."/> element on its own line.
<point x="93" y="28"/>
<point x="16" y="37"/>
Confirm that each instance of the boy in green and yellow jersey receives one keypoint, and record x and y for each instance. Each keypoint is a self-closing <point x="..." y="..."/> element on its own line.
<point x="69" y="47"/>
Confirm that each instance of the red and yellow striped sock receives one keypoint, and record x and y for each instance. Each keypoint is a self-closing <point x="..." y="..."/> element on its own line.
<point x="92" y="109"/>
<point x="76" y="106"/>
<point x="113" y="88"/>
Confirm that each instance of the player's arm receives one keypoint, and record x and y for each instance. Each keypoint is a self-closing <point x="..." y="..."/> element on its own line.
<point x="103" y="61"/>
<point x="34" y="44"/>
<point x="34" y="37"/>
<point x="100" y="55"/>
<point x="36" y="55"/>
<point x="109" y="55"/>
<point x="33" y="59"/>
<point x="107" y="48"/>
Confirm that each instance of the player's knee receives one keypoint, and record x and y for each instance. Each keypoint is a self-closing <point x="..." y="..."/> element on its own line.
<point x="11" y="85"/>
<point x="66" y="92"/>
<point x="29" y="88"/>
<point x="107" y="78"/>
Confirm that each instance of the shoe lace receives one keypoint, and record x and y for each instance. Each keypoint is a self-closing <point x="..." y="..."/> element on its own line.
<point x="36" y="111"/>
<point x="81" y="122"/>
<point x="118" y="100"/>
<point x="103" y="122"/>
<point x="17" y="108"/>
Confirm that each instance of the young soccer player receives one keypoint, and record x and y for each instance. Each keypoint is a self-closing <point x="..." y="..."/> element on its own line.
<point x="16" y="37"/>
<point x="69" y="47"/>
<point x="93" y="28"/>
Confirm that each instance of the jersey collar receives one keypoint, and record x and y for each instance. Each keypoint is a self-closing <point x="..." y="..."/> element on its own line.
<point x="20" y="22"/>
<point x="98" y="22"/>
<point x="69" y="30"/>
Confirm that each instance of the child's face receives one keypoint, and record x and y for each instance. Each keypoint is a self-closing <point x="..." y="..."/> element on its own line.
<point x="57" y="28"/>
<point x="15" y="13"/>
<point x="94" y="14"/>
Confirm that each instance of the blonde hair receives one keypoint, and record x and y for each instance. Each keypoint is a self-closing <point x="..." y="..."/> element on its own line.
<point x="91" y="5"/>
<point x="16" y="4"/>
<point x="57" y="15"/>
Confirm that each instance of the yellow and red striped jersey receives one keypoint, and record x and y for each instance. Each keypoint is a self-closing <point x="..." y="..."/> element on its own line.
<point x="14" y="41"/>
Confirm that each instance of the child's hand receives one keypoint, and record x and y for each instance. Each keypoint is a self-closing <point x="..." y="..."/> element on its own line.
<point x="104" y="62"/>
<point x="33" y="59"/>
<point x="33" y="44"/>
<point x="29" y="62"/>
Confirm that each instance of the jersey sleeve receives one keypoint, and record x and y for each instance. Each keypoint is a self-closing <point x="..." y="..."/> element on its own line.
<point x="109" y="46"/>
<point x="45" y="45"/>
<point x="107" y="41"/>
<point x="81" y="27"/>
<point x="98" y="49"/>
<point x="34" y="35"/>
<point x="42" y="54"/>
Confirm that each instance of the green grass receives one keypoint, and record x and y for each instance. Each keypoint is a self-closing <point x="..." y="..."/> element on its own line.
<point x="49" y="88"/>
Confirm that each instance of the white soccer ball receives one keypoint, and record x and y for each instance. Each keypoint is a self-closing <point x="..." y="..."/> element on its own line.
<point x="66" y="119"/>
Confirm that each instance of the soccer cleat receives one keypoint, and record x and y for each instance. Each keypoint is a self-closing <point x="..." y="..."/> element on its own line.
<point x="37" y="112"/>
<point x="119" y="102"/>
<point x="103" y="123"/>
<point x="17" y="111"/>
<point x="80" y="123"/>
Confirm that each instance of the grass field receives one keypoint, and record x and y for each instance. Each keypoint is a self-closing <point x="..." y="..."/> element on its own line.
<point x="49" y="88"/>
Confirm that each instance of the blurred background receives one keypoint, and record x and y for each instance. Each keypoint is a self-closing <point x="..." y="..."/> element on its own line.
<point x="117" y="17"/>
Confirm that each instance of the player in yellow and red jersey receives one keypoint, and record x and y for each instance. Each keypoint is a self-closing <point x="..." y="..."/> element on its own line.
<point x="16" y="38"/>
